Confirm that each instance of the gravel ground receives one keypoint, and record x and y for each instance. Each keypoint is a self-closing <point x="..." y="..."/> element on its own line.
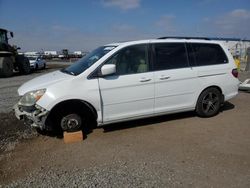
<point x="179" y="150"/>
<point x="12" y="131"/>
<point x="117" y="174"/>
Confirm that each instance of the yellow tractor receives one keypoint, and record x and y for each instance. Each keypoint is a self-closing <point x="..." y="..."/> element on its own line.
<point x="10" y="60"/>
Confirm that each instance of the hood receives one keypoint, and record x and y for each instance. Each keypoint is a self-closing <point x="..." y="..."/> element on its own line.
<point x="42" y="82"/>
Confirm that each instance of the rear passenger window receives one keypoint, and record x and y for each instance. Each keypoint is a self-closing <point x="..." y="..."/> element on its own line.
<point x="170" y="56"/>
<point x="208" y="54"/>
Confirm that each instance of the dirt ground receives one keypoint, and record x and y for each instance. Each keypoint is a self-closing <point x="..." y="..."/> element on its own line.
<point x="180" y="150"/>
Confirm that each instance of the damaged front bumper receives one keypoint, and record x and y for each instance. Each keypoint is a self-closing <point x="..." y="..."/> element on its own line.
<point x="34" y="116"/>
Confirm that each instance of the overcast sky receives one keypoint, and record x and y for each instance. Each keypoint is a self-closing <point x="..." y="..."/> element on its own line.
<point x="86" y="24"/>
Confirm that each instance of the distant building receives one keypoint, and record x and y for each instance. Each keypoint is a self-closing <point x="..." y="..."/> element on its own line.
<point x="31" y="53"/>
<point x="53" y="53"/>
<point x="77" y="52"/>
<point x="236" y="46"/>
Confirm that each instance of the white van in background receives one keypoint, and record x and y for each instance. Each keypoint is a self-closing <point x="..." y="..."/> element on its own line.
<point x="37" y="62"/>
<point x="131" y="80"/>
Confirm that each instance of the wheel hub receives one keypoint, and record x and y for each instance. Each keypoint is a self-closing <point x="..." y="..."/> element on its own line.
<point x="210" y="102"/>
<point x="71" y="122"/>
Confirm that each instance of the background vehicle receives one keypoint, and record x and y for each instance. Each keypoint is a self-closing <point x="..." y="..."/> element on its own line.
<point x="37" y="62"/>
<point x="9" y="58"/>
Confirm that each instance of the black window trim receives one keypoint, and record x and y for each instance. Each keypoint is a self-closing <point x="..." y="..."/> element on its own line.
<point x="189" y="55"/>
<point x="96" y="73"/>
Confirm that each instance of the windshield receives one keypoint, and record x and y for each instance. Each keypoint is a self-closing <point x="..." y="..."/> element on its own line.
<point x="87" y="61"/>
<point x="32" y="58"/>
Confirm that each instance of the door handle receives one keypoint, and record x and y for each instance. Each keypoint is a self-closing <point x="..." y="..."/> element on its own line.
<point x="145" y="79"/>
<point x="164" y="77"/>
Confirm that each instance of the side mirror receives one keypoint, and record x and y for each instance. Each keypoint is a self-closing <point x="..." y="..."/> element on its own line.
<point x="11" y="34"/>
<point x="108" y="69"/>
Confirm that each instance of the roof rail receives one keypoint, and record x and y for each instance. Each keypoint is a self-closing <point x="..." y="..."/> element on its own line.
<point x="227" y="39"/>
<point x="174" y="37"/>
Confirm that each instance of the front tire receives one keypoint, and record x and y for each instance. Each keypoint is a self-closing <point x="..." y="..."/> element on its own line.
<point x="71" y="116"/>
<point x="209" y="102"/>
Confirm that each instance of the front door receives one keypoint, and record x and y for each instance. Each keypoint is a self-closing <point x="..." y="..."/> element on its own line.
<point x="130" y="92"/>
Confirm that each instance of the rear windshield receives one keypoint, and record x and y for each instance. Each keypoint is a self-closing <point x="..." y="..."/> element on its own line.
<point x="87" y="61"/>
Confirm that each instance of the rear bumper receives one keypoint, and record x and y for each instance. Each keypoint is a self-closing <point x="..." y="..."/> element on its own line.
<point x="231" y="95"/>
<point x="34" y="116"/>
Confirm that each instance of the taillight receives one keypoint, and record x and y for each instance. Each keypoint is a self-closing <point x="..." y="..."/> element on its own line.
<point x="235" y="73"/>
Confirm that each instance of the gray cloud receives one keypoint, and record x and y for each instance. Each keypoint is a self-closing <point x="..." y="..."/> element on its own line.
<point x="235" y="23"/>
<point x="57" y="37"/>
<point x="124" y="28"/>
<point x="122" y="4"/>
<point x="167" y="24"/>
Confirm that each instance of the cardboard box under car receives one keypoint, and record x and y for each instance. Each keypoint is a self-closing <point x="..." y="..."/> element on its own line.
<point x="70" y="137"/>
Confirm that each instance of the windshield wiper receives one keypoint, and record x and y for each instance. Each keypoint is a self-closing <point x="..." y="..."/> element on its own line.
<point x="67" y="72"/>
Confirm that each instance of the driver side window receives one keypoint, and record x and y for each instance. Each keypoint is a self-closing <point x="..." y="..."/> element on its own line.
<point x="131" y="60"/>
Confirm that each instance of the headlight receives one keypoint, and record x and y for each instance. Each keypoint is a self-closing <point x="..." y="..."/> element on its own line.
<point x="30" y="98"/>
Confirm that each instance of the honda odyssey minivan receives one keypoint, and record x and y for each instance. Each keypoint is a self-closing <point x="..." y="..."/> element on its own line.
<point x="131" y="80"/>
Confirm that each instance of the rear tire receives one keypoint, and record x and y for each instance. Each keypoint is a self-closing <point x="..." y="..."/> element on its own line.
<point x="44" y="66"/>
<point x="23" y="64"/>
<point x="209" y="102"/>
<point x="6" y="66"/>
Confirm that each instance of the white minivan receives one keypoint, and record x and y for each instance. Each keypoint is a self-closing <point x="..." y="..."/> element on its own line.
<point x="131" y="80"/>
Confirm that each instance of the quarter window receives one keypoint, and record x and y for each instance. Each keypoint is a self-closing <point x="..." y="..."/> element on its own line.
<point x="170" y="56"/>
<point x="208" y="54"/>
